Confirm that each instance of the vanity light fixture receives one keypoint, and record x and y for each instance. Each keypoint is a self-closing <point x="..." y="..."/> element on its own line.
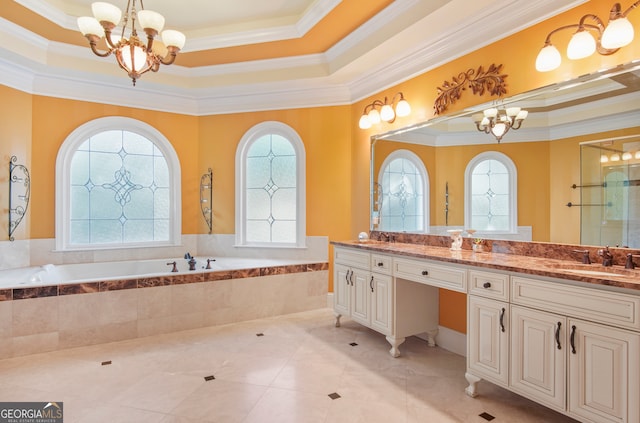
<point x="132" y="55"/>
<point x="398" y="106"/>
<point x="499" y="121"/>
<point x="608" y="39"/>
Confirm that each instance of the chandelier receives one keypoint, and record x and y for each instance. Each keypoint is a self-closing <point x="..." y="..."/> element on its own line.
<point x="388" y="112"/>
<point x="133" y="56"/>
<point x="608" y="39"/>
<point x="499" y="121"/>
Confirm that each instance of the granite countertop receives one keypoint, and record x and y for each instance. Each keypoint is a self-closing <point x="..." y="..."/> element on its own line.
<point x="596" y="274"/>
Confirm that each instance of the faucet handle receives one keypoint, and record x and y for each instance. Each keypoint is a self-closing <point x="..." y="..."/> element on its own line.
<point x="174" y="264"/>
<point x="630" y="264"/>
<point x="209" y="263"/>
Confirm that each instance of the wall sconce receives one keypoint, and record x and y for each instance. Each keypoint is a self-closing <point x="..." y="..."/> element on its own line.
<point x="498" y="121"/>
<point x="388" y="112"/>
<point x="618" y="33"/>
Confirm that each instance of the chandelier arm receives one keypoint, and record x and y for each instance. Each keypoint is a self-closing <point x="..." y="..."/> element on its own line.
<point x="172" y="58"/>
<point x="626" y="12"/>
<point x="94" y="49"/>
<point x="517" y="124"/>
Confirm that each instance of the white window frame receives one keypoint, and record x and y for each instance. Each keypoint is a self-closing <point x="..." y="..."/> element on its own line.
<point x="513" y="190"/>
<point x="256" y="132"/>
<point x="422" y="169"/>
<point x="63" y="181"/>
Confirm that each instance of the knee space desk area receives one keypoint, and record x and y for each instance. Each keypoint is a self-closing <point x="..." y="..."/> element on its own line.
<point x="554" y="331"/>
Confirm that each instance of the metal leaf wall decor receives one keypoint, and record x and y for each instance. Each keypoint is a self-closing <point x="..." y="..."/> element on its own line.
<point x="478" y="81"/>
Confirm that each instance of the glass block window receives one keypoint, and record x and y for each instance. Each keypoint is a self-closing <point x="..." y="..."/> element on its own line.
<point x="490" y="194"/>
<point x="401" y="198"/>
<point x="270" y="194"/>
<point x="118" y="187"/>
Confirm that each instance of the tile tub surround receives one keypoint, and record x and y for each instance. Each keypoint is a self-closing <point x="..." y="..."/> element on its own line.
<point x="46" y="318"/>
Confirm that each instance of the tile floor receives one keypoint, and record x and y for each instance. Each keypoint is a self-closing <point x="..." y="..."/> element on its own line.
<point x="280" y="369"/>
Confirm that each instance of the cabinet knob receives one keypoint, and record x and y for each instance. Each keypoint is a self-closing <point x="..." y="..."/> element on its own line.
<point x="486" y="285"/>
<point x="425" y="272"/>
<point x="380" y="264"/>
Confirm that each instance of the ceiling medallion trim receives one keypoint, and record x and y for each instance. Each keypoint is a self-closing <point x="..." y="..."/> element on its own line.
<point x="478" y="82"/>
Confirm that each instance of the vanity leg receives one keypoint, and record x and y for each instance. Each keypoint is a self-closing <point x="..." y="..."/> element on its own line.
<point x="472" y="389"/>
<point x="338" y="316"/>
<point x="431" y="337"/>
<point x="395" y="343"/>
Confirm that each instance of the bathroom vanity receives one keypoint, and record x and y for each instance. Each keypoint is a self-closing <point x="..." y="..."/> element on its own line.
<point x="562" y="334"/>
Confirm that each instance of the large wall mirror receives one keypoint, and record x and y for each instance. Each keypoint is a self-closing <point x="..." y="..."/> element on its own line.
<point x="555" y="176"/>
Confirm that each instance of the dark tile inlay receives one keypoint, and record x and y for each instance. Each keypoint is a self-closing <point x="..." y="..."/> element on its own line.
<point x="488" y="417"/>
<point x="118" y="285"/>
<point x="35" y="292"/>
<point x="334" y="396"/>
<point x="208" y="378"/>
<point x="79" y="288"/>
<point x="353" y="344"/>
<point x="6" y="294"/>
<point x="106" y="363"/>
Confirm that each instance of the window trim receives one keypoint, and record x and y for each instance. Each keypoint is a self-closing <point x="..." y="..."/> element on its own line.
<point x="253" y="134"/>
<point x="513" y="190"/>
<point x="63" y="181"/>
<point x="424" y="173"/>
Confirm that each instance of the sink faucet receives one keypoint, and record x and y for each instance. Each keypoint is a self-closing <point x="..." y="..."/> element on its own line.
<point x="384" y="235"/>
<point x="607" y="257"/>
<point x="630" y="264"/>
<point x="585" y="256"/>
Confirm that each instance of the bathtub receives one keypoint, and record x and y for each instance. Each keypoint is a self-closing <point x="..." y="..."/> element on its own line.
<point x="63" y="274"/>
<point x="53" y="307"/>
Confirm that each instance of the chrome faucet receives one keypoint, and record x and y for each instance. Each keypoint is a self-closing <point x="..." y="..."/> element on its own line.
<point x="607" y="257"/>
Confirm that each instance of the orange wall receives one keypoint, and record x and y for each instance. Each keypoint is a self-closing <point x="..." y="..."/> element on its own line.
<point x="337" y="150"/>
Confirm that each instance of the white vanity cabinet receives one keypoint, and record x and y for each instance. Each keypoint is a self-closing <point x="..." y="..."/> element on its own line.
<point x="366" y="289"/>
<point x="570" y="347"/>
<point x="365" y="296"/>
<point x="488" y="323"/>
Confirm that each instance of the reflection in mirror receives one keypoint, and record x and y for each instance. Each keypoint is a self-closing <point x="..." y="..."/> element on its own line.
<point x="610" y="192"/>
<point x="596" y="107"/>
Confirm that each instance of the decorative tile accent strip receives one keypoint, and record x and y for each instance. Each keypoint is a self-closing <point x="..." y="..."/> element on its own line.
<point x="35" y="292"/>
<point x="165" y="280"/>
<point x="79" y="288"/>
<point x="6" y="294"/>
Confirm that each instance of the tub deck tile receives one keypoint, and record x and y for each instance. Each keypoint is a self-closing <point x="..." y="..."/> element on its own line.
<point x="35" y="292"/>
<point x="245" y="273"/>
<point x="217" y="276"/>
<point x="155" y="281"/>
<point x="187" y="278"/>
<point x="79" y="288"/>
<point x="6" y="294"/>
<point x="118" y="285"/>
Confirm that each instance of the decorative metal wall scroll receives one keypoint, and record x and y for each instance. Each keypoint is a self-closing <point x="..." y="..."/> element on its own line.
<point x="19" y="192"/>
<point x="478" y="81"/>
<point x="206" y="182"/>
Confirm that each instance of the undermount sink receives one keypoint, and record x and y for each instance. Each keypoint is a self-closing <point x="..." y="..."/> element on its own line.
<point x="590" y="272"/>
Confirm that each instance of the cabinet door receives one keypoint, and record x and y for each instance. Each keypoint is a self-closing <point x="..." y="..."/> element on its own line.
<point x="341" y="290"/>
<point x="381" y="303"/>
<point x="538" y="356"/>
<point x="488" y="339"/>
<point x="360" y="296"/>
<point x="603" y="373"/>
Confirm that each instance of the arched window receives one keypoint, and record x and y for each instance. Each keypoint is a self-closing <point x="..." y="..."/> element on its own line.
<point x="491" y="194"/>
<point x="270" y="187"/>
<point x="403" y="193"/>
<point x="117" y="185"/>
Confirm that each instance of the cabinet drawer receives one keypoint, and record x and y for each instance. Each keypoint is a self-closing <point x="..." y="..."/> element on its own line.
<point x="381" y="264"/>
<point x="489" y="284"/>
<point x="352" y="257"/>
<point x="423" y="271"/>
<point x="588" y="303"/>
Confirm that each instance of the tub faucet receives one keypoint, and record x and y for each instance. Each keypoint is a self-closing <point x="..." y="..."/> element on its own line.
<point x="607" y="257"/>
<point x="174" y="264"/>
